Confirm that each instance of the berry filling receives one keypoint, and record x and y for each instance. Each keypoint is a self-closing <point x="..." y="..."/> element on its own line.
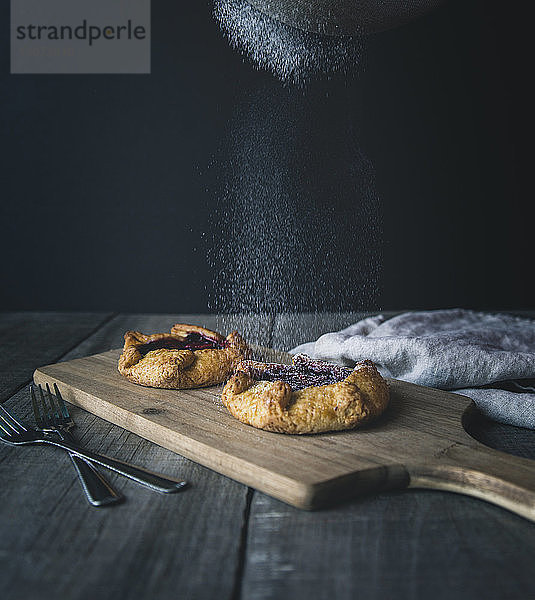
<point x="305" y="372"/>
<point x="193" y="341"/>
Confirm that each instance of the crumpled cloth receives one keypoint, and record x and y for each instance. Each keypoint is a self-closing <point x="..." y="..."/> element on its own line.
<point x="458" y="350"/>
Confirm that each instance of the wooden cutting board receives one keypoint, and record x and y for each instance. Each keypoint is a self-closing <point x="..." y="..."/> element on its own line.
<point x="419" y="442"/>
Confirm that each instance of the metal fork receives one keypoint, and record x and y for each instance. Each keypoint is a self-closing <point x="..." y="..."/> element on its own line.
<point x="51" y="414"/>
<point x="17" y="433"/>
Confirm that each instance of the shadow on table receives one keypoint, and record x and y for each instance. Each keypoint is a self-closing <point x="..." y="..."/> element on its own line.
<point x="506" y="438"/>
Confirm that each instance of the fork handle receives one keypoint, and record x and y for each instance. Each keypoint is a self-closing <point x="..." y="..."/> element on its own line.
<point x="154" y="481"/>
<point x="97" y="490"/>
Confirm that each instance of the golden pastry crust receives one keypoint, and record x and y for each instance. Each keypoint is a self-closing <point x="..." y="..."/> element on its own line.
<point x="161" y="360"/>
<point x="273" y="405"/>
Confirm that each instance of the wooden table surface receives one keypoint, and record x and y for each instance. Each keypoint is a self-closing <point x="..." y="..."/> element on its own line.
<point x="219" y="539"/>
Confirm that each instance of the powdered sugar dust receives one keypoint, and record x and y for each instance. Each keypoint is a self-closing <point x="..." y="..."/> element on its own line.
<point x="297" y="202"/>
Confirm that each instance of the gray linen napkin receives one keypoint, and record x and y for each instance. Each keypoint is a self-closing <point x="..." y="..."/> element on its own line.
<point x="457" y="349"/>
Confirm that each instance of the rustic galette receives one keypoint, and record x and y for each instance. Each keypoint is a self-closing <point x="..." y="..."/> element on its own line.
<point x="308" y="396"/>
<point x="188" y="357"/>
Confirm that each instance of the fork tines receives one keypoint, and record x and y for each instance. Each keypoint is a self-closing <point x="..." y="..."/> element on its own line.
<point x="61" y="403"/>
<point x="49" y="409"/>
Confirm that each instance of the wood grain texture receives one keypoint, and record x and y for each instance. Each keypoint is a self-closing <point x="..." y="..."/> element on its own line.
<point x="153" y="546"/>
<point x="30" y="339"/>
<point x="411" y="545"/>
<point x="55" y="545"/>
<point x="402" y="545"/>
<point x="419" y="441"/>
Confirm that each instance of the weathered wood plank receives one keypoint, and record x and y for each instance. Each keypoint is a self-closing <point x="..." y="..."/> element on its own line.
<point x="414" y="544"/>
<point x="30" y="339"/>
<point x="399" y="545"/>
<point x="153" y="546"/>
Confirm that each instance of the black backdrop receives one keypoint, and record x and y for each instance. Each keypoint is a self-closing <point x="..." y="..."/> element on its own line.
<point x="109" y="182"/>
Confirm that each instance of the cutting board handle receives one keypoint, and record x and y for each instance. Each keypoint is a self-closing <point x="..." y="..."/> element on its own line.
<point x="497" y="477"/>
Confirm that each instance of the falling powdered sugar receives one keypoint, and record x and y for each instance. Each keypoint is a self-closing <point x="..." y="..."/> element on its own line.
<point x="296" y="227"/>
<point x="291" y="54"/>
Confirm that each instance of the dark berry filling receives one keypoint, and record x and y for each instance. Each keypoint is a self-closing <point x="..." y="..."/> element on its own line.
<point x="305" y="372"/>
<point x="193" y="341"/>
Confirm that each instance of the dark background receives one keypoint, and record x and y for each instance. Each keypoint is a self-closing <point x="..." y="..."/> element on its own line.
<point x="110" y="183"/>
